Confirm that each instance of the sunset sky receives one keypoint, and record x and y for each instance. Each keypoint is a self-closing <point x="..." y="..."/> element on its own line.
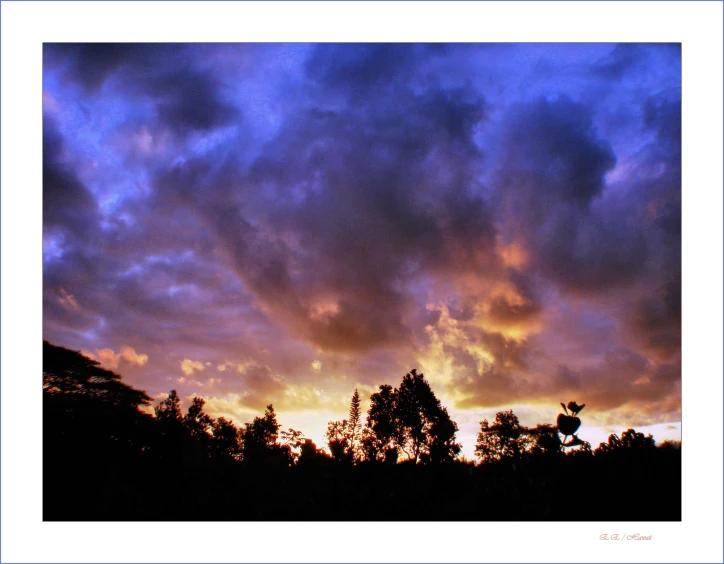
<point x="268" y="223"/>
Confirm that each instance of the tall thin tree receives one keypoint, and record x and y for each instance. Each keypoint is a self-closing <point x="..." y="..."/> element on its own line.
<point x="354" y="416"/>
<point x="353" y="423"/>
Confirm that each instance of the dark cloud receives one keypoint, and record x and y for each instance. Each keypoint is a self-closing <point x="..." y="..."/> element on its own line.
<point x="186" y="99"/>
<point x="664" y="116"/>
<point x="356" y="67"/>
<point x="190" y="100"/>
<point x="621" y="60"/>
<point x="68" y="205"/>
<point x="553" y="146"/>
<point x="551" y="186"/>
<point x="91" y="64"/>
<point x="348" y="211"/>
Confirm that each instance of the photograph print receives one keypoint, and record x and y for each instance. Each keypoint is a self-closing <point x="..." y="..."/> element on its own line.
<point x="361" y="282"/>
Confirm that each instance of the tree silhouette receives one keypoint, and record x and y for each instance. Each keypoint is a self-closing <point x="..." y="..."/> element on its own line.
<point x="227" y="440"/>
<point x="344" y="437"/>
<point x="546" y="439"/>
<point x="173" y="437"/>
<point x="85" y="404"/>
<point x="198" y="425"/>
<point x="293" y="440"/>
<point x="197" y="422"/>
<point x="93" y="430"/>
<point x="381" y="435"/>
<point x="505" y="439"/>
<point x="70" y="375"/>
<point x="311" y="457"/>
<point x="630" y="441"/>
<point x="169" y="410"/>
<point x="260" y="442"/>
<point x="425" y="431"/>
<point x="102" y="455"/>
<point x="338" y="440"/>
<point x="354" y="425"/>
<point x="409" y="420"/>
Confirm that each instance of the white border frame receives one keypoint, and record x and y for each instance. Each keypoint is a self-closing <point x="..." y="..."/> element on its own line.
<point x="26" y="25"/>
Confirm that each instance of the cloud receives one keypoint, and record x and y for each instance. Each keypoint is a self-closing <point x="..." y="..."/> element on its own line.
<point x="551" y="190"/>
<point x="377" y="198"/>
<point x="67" y="300"/>
<point x="68" y="206"/>
<point x="126" y="355"/>
<point x="189" y="366"/>
<point x="623" y="59"/>
<point x="185" y="99"/>
<point x="129" y="355"/>
<point x="316" y="365"/>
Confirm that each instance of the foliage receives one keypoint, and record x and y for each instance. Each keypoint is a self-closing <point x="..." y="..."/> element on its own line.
<point x="409" y="421"/>
<point x="505" y="439"/>
<point x="338" y="441"/>
<point x="169" y="410"/>
<point x="293" y="440"/>
<point x="227" y="440"/>
<point x="381" y="434"/>
<point x="102" y="456"/>
<point x="260" y="442"/>
<point x="73" y="376"/>
<point x="630" y="441"/>
<point x="546" y="439"/>
<point x="344" y="438"/>
<point x="310" y="456"/>
<point x="197" y="422"/>
<point x="354" y="425"/>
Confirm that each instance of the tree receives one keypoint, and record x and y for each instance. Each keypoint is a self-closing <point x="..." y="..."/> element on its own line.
<point x="338" y="441"/>
<point x="310" y="456"/>
<point x="226" y="439"/>
<point x="505" y="439"/>
<point x="198" y="425"/>
<point x="263" y="430"/>
<point x="260" y="442"/>
<point x="87" y="408"/>
<point x="169" y="410"/>
<point x="381" y="432"/>
<point x="584" y="450"/>
<point x="425" y="431"/>
<point x="354" y="424"/>
<point x="96" y="440"/>
<point x="293" y="440"/>
<point x="630" y="442"/>
<point x="546" y="439"/>
<point x="197" y="422"/>
<point x="409" y="420"/>
<point x="70" y="376"/>
<point x="343" y="437"/>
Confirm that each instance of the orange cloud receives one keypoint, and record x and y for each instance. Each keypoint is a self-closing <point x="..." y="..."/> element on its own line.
<point x="126" y="354"/>
<point x="67" y="300"/>
<point x="189" y="366"/>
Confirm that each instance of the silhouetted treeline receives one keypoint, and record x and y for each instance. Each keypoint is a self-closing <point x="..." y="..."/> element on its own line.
<point x="106" y="459"/>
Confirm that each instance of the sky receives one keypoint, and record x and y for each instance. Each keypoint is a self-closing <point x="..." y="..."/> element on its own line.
<point x="284" y="223"/>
